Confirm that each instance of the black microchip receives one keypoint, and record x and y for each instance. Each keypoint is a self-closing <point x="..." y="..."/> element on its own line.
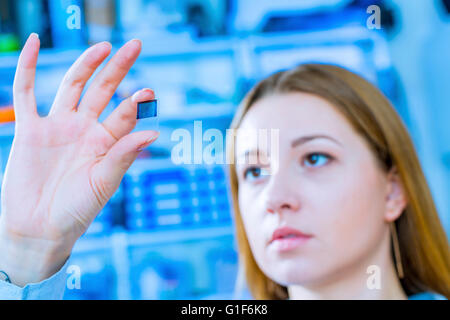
<point x="147" y="109"/>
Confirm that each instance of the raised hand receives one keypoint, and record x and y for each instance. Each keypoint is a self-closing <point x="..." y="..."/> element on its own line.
<point x="64" y="167"/>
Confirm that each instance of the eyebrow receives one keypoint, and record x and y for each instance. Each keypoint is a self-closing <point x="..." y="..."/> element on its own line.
<point x="304" y="139"/>
<point x="295" y="143"/>
<point x="247" y="153"/>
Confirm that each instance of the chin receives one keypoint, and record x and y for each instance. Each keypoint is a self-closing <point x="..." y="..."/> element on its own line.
<point x="293" y="272"/>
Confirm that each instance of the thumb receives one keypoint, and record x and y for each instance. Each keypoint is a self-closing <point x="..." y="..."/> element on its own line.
<point x="111" y="169"/>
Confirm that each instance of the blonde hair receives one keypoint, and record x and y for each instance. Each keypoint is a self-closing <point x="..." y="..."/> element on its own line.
<point x="423" y="244"/>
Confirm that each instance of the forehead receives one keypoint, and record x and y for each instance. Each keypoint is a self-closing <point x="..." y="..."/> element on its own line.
<point x="294" y="115"/>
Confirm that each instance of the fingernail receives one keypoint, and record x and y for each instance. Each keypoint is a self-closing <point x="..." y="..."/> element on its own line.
<point x="142" y="95"/>
<point x="134" y="43"/>
<point x="34" y="35"/>
<point x="100" y="47"/>
<point x="138" y="41"/>
<point x="148" y="142"/>
<point x="103" y="43"/>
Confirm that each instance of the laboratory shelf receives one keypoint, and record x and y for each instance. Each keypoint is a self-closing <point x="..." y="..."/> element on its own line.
<point x="92" y="243"/>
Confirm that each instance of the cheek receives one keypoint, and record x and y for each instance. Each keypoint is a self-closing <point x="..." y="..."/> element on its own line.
<point x="246" y="210"/>
<point x="251" y="209"/>
<point x="354" y="210"/>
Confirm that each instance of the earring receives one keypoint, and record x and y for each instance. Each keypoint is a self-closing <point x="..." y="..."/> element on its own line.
<point x="398" y="259"/>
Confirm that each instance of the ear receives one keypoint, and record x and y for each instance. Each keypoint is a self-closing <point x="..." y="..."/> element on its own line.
<point x="396" y="200"/>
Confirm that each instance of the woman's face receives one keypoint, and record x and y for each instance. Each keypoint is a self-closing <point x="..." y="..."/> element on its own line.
<point x="323" y="182"/>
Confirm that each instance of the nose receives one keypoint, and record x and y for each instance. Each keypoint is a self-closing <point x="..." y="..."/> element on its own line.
<point x="282" y="195"/>
<point x="282" y="203"/>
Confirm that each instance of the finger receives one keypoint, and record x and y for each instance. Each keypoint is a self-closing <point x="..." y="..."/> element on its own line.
<point x="123" y="119"/>
<point x="23" y="88"/>
<point x="106" y="82"/>
<point x="111" y="169"/>
<point x="74" y="81"/>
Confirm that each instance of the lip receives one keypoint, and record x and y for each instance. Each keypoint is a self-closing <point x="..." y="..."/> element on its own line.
<point x="281" y="243"/>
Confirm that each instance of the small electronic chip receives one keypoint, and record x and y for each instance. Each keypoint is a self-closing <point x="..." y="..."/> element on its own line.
<point x="147" y="109"/>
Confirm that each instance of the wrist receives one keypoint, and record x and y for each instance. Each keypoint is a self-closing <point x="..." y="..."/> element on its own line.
<point x="27" y="260"/>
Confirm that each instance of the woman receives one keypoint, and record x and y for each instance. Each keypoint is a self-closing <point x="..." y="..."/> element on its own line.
<point x="347" y="181"/>
<point x="306" y="230"/>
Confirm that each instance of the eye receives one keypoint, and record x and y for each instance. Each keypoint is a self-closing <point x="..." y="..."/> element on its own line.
<point x="254" y="173"/>
<point x="316" y="159"/>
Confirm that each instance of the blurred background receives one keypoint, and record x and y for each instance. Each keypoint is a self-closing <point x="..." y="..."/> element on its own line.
<point x="167" y="233"/>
